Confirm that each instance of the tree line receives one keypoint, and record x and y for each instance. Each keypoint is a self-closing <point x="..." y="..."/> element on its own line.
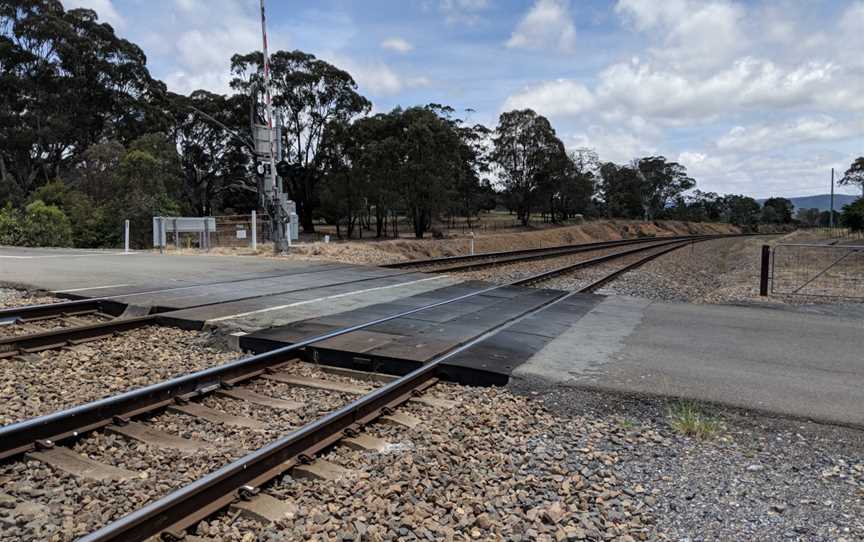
<point x="88" y="138"/>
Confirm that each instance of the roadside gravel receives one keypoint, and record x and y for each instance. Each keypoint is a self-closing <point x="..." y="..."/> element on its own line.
<point x="36" y="384"/>
<point x="760" y="478"/>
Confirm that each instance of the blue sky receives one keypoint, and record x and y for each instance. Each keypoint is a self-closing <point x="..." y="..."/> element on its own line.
<point x="761" y="98"/>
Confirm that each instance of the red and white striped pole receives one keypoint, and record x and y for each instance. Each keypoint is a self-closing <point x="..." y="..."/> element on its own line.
<point x="277" y="195"/>
<point x="268" y="100"/>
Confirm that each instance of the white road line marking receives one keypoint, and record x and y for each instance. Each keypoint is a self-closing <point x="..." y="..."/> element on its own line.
<point x="308" y="301"/>
<point x="91" y="288"/>
<point x="48" y="256"/>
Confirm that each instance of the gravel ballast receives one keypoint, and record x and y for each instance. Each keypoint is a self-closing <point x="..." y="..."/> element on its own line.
<point x="11" y="298"/>
<point x="720" y="271"/>
<point x="65" y="507"/>
<point x="506" y="273"/>
<point x="36" y="384"/>
<point x="533" y="462"/>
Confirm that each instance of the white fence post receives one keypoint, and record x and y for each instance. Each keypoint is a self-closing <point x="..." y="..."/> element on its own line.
<point x="254" y="231"/>
<point x="126" y="236"/>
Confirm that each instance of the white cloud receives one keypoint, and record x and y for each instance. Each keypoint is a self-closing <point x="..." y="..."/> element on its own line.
<point x="765" y="175"/>
<point x="104" y="8"/>
<point x="611" y="144"/>
<point x="547" y="25"/>
<point x="397" y="44"/>
<point x="207" y="34"/>
<point x="803" y="130"/>
<point x="562" y="97"/>
<point x="375" y="76"/>
<point x="694" y="34"/>
<point x="462" y="11"/>
<point x="664" y="93"/>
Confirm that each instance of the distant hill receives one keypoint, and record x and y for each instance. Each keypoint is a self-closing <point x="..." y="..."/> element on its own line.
<point x="821" y="202"/>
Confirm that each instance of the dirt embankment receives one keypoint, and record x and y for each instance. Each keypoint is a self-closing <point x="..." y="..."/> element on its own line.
<point x="377" y="252"/>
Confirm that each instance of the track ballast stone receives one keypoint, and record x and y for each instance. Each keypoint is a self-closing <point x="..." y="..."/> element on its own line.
<point x="498" y="466"/>
<point x="36" y="384"/>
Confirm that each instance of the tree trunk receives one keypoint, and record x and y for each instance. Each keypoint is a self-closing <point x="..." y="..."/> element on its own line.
<point x="305" y="212"/>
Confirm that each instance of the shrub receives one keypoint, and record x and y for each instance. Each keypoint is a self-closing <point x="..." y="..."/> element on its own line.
<point x="45" y="226"/>
<point x="853" y="215"/>
<point x="10" y="226"/>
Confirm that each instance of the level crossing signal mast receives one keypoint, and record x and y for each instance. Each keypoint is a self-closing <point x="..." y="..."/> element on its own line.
<point x="268" y="148"/>
<point x="271" y="187"/>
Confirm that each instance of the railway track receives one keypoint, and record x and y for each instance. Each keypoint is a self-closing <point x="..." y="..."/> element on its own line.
<point x="487" y="259"/>
<point x="179" y="413"/>
<point x="36" y="328"/>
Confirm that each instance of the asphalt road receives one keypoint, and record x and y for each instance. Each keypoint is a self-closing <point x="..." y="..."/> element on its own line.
<point x="787" y="362"/>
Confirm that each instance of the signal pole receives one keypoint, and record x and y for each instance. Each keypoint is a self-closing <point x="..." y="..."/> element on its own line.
<point x="276" y="198"/>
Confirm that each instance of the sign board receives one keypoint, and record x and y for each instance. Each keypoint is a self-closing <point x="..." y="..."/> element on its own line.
<point x="241" y="234"/>
<point x="180" y="224"/>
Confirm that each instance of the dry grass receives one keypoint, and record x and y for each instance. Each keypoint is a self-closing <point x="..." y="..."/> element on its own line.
<point x="687" y="419"/>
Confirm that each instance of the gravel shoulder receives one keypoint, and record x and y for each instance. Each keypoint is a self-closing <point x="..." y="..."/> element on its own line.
<point x="758" y="478"/>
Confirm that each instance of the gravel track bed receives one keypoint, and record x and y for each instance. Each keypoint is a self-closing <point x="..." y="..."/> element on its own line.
<point x="580" y="278"/>
<point x="719" y="271"/>
<point x="503" y="274"/>
<point x="497" y="467"/>
<point x="41" y="383"/>
<point x="39" y="326"/>
<point x="72" y="506"/>
<point x="12" y="297"/>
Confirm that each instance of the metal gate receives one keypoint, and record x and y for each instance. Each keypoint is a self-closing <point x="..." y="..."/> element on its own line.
<point x="818" y="270"/>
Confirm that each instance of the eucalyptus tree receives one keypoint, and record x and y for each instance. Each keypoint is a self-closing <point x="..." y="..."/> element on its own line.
<point x="67" y="81"/>
<point x="525" y="152"/>
<point x="308" y="94"/>
<point x="661" y="181"/>
<point x="855" y="174"/>
<point x="215" y="157"/>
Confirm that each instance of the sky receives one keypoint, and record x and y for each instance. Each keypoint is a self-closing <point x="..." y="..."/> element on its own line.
<point x="756" y="98"/>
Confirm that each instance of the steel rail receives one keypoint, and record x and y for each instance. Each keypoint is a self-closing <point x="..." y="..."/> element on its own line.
<point x="618" y="272"/>
<point x="186" y="506"/>
<point x="24" y="435"/>
<point x="57" y="338"/>
<point x="581" y="247"/>
<point x="547" y="275"/>
<point x="540" y="255"/>
<point x="55" y="310"/>
<point x="45" y="430"/>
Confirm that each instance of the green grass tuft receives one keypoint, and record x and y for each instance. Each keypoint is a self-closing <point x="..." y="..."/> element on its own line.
<point x="688" y="419"/>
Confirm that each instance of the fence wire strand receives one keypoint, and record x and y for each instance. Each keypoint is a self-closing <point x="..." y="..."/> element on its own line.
<point x="818" y="270"/>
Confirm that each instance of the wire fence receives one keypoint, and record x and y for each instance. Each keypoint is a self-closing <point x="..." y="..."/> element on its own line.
<point x="236" y="230"/>
<point x="821" y="270"/>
